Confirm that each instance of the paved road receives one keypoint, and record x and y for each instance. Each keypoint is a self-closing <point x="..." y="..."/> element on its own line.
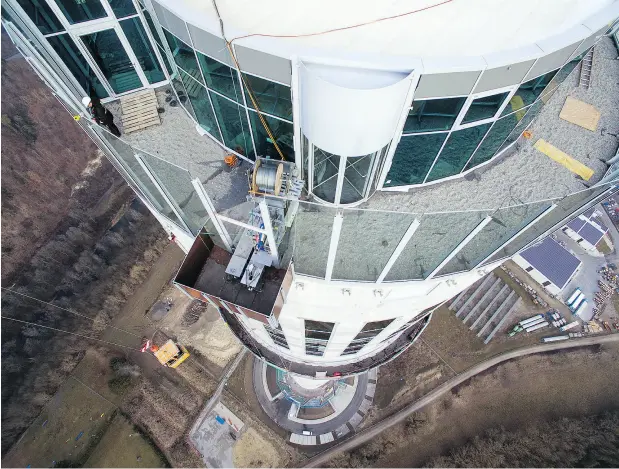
<point x="373" y="431"/>
<point x="217" y="394"/>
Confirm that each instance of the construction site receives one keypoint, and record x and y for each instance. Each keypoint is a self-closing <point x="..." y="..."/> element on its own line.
<point x="309" y="244"/>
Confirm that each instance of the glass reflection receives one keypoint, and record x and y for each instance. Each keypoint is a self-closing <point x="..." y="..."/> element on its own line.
<point x="433" y="114"/>
<point x="484" y="108"/>
<point x="413" y="158"/>
<point x="326" y="166"/>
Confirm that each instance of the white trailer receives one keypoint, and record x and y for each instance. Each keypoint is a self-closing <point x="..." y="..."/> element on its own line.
<point x="573" y="296"/>
<point x="556" y="338"/>
<point x="536" y="326"/>
<point x="556" y="316"/>
<point x="576" y="303"/>
<point x="537" y="317"/>
<point x="581" y="308"/>
<point x="534" y="323"/>
<point x="569" y="326"/>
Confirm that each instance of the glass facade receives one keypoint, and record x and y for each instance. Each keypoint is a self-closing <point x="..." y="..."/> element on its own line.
<point x="484" y="108"/>
<point x="142" y="48"/>
<point x="326" y="168"/>
<point x="433" y="114"/>
<point x="77" y="65"/>
<point x="41" y="15"/>
<point x="82" y="10"/>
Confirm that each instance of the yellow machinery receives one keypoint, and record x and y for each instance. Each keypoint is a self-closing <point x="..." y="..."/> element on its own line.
<point x="170" y="354"/>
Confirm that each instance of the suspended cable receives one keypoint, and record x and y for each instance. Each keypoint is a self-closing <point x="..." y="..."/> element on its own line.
<point x="343" y="28"/>
<point x="72" y="333"/>
<point x="69" y="311"/>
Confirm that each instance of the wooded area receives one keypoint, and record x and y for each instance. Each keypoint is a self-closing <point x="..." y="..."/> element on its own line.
<point x="568" y="442"/>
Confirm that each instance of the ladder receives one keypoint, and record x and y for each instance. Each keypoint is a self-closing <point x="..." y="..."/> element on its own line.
<point x="585" y="70"/>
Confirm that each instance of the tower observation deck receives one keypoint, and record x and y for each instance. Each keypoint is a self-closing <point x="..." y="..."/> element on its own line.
<point x="381" y="164"/>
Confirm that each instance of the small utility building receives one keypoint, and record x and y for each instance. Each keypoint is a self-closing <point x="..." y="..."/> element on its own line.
<point x="587" y="230"/>
<point x="549" y="264"/>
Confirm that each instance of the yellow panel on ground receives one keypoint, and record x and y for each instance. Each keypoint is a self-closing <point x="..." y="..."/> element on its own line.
<point x="580" y="113"/>
<point x="566" y="160"/>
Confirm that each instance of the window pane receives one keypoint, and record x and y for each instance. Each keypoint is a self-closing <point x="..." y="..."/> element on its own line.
<point x="497" y="135"/>
<point x="183" y="56"/>
<point x="528" y="92"/>
<point x="382" y="231"/>
<point x="413" y="158"/>
<point x="122" y="8"/>
<point x="326" y="166"/>
<point x="110" y="55"/>
<point x="76" y="63"/>
<point x="437" y="235"/>
<point x="272" y="98"/>
<point x="233" y="125"/>
<point x="484" y="108"/>
<point x="84" y="10"/>
<point x="356" y="178"/>
<point x="282" y="131"/>
<point x="136" y="35"/>
<point x="456" y="152"/>
<point x="220" y="77"/>
<point x="179" y="87"/>
<point x="505" y="224"/>
<point x="201" y="105"/>
<point x="433" y="114"/>
<point x="41" y="15"/>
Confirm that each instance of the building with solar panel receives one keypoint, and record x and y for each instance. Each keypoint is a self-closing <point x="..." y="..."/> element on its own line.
<point x="335" y="171"/>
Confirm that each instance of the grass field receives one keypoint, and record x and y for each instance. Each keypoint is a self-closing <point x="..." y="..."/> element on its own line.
<point x="124" y="446"/>
<point x="68" y="428"/>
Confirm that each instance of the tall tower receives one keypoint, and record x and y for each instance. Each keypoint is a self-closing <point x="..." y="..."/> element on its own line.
<point x="375" y="165"/>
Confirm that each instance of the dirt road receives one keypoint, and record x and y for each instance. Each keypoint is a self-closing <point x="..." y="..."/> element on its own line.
<point x="373" y="431"/>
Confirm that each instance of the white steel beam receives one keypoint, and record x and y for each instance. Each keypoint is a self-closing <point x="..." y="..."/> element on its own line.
<point x="335" y="239"/>
<point x="398" y="249"/>
<point x="240" y="223"/>
<point x="460" y="246"/>
<point x="268" y="228"/>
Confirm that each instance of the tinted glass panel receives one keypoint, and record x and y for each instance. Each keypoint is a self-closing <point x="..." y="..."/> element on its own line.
<point x="568" y="207"/>
<point x="497" y="135"/>
<point x="41" y="15"/>
<point x="183" y="56"/>
<point x="484" y="108"/>
<point x="153" y="31"/>
<point x="76" y="63"/>
<point x="201" y="105"/>
<point x="326" y="166"/>
<point x="111" y="57"/>
<point x="505" y="224"/>
<point x="528" y="92"/>
<point x="382" y="232"/>
<point x="142" y="48"/>
<point x="282" y="131"/>
<point x="82" y="10"/>
<point x="433" y="114"/>
<point x="314" y="224"/>
<point x="179" y="87"/>
<point x="413" y="158"/>
<point x="176" y="182"/>
<point x="220" y="77"/>
<point x="233" y="124"/>
<point x="456" y="152"/>
<point x="437" y="235"/>
<point x="272" y="98"/>
<point x="356" y="178"/>
<point x="122" y="8"/>
<point x="531" y="114"/>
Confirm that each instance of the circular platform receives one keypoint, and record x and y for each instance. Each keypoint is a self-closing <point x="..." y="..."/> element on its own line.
<point x="328" y="408"/>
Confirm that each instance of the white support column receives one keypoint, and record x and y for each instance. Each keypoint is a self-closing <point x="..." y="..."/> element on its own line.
<point x="537" y="219"/>
<point x="460" y="246"/>
<point x="163" y="193"/>
<point x="398" y="250"/>
<point x="268" y="228"/>
<point x="210" y="209"/>
<point x="335" y="239"/>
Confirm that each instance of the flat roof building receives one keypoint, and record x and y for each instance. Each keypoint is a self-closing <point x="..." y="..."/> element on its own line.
<point x="381" y="168"/>
<point x="549" y="264"/>
<point x="587" y="230"/>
